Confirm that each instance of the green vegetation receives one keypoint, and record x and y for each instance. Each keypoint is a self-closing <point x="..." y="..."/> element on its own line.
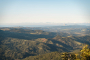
<point x="27" y="44"/>
<point x="84" y="55"/>
<point x="63" y="56"/>
<point x="48" y="56"/>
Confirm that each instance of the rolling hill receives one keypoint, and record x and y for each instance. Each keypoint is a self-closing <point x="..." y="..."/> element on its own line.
<point x="21" y="43"/>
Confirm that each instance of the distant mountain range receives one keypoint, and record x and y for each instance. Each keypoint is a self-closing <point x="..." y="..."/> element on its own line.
<point x="40" y="24"/>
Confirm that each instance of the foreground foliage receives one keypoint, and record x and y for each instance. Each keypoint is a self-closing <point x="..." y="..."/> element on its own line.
<point x="85" y="54"/>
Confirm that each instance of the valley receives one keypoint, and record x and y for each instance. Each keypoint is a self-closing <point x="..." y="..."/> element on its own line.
<point x="35" y="42"/>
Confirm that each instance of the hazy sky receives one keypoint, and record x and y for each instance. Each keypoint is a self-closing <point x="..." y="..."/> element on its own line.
<point x="35" y="11"/>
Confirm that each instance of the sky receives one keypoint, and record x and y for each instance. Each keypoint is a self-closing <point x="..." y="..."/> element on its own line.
<point x="44" y="11"/>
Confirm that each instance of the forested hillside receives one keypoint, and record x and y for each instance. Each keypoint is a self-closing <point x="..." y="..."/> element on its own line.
<point x="22" y="43"/>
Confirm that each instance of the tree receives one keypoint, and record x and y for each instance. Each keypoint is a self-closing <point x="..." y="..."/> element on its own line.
<point x="65" y="56"/>
<point x="85" y="53"/>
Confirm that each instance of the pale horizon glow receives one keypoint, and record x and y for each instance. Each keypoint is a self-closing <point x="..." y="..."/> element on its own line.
<point x="57" y="11"/>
